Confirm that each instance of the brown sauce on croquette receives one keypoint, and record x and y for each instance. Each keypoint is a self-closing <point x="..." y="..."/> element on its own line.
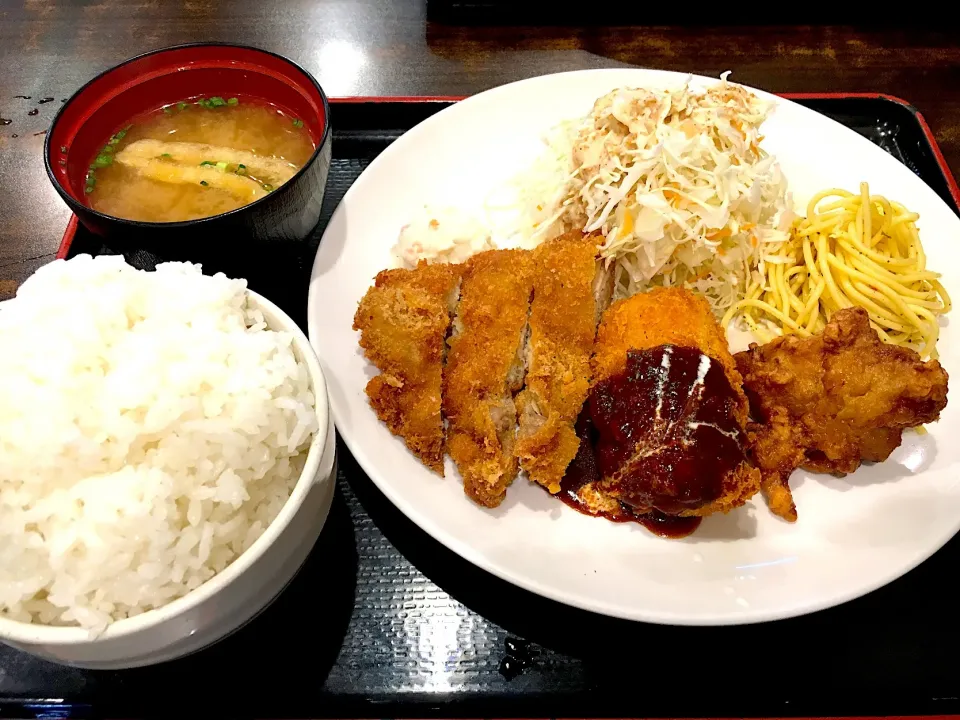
<point x="667" y="436"/>
<point x="660" y="438"/>
<point x="583" y="471"/>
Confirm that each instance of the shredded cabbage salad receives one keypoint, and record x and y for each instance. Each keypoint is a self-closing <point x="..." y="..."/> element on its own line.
<point x="674" y="180"/>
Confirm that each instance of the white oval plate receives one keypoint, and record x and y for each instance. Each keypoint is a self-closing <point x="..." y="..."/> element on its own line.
<point x="854" y="534"/>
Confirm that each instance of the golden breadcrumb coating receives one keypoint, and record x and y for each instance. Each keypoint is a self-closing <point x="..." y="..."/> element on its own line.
<point x="403" y="322"/>
<point x="563" y="323"/>
<point x="485" y="369"/>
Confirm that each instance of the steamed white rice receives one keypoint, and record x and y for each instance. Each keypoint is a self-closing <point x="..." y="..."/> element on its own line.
<point x="151" y="428"/>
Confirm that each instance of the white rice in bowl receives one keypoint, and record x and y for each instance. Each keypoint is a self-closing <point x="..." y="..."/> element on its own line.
<point x="151" y="428"/>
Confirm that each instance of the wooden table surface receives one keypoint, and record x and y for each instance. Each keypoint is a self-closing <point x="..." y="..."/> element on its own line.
<point x="49" y="48"/>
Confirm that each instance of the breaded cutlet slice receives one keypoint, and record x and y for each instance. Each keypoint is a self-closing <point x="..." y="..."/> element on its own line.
<point x="676" y="317"/>
<point x="403" y="321"/>
<point x="485" y="369"/>
<point x="563" y="323"/>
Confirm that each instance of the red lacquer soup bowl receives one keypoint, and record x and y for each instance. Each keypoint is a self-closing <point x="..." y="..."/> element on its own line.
<point x="106" y="104"/>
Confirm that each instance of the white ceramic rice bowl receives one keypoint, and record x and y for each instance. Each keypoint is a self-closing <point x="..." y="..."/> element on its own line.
<point x="234" y="596"/>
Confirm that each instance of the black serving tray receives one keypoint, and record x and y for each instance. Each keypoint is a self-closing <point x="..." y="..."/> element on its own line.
<point x="383" y="621"/>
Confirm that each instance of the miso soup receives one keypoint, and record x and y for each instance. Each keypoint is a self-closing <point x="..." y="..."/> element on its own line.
<point x="196" y="158"/>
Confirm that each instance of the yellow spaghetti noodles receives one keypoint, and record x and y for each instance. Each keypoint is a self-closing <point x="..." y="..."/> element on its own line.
<point x="850" y="250"/>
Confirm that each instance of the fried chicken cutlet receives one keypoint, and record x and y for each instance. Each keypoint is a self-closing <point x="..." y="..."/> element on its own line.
<point x="570" y="290"/>
<point x="828" y="402"/>
<point x="668" y="408"/>
<point x="404" y="320"/>
<point x="485" y="370"/>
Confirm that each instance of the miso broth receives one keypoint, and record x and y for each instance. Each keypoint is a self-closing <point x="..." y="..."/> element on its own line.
<point x="196" y="158"/>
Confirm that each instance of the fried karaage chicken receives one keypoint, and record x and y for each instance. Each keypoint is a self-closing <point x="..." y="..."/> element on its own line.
<point x="828" y="402"/>
<point x="570" y="290"/>
<point x="403" y="320"/>
<point x="668" y="409"/>
<point x="485" y="369"/>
